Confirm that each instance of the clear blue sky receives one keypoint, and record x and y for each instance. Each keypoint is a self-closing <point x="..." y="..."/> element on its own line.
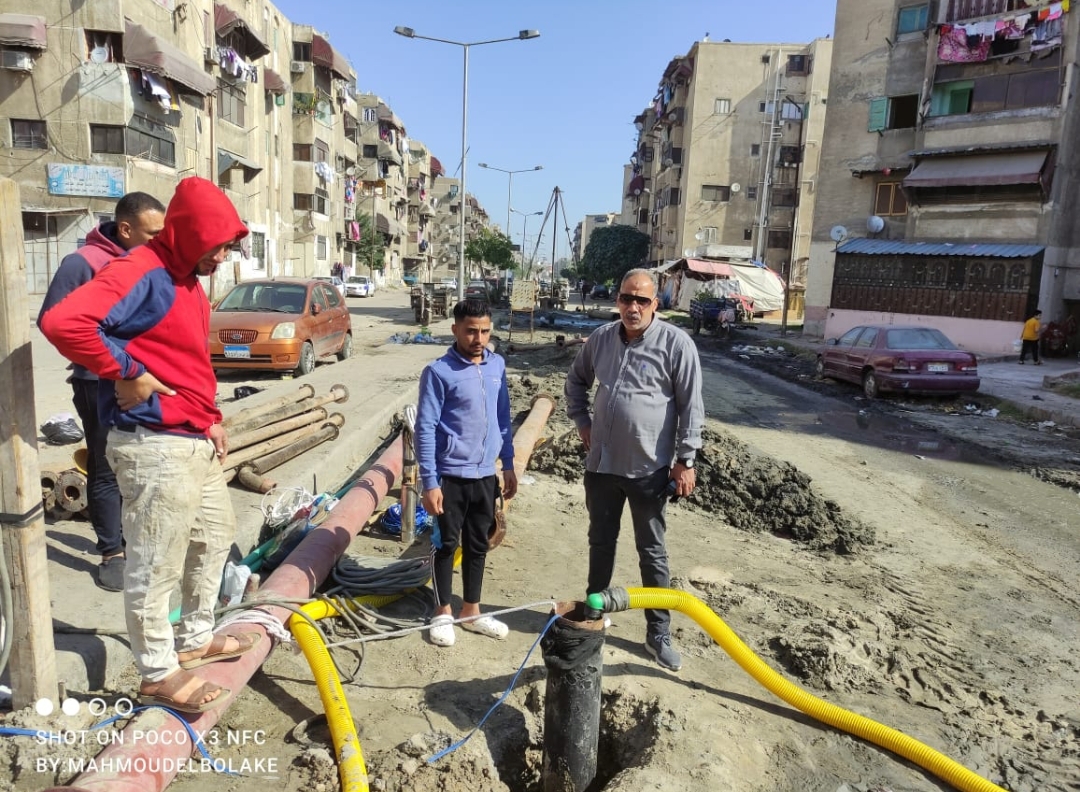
<point x="566" y="100"/>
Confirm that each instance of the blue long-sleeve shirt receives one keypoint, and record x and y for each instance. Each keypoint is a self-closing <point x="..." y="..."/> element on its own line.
<point x="463" y="418"/>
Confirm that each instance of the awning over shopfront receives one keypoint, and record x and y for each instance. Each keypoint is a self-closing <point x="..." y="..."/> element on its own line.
<point x="227" y="160"/>
<point x="716" y="268"/>
<point x="980" y="170"/>
<point x="226" y="21"/>
<point x="23" y="30"/>
<point x="323" y="54"/>
<point x="143" y="50"/>
<point x="890" y="247"/>
<point x="273" y="82"/>
<point x="388" y="152"/>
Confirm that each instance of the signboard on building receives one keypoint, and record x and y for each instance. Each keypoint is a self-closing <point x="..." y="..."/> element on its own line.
<point x="95" y="180"/>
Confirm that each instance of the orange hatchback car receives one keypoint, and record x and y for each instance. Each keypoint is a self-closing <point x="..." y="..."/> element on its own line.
<point x="279" y="324"/>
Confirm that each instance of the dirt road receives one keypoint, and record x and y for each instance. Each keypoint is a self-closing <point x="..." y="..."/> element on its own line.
<point x="884" y="566"/>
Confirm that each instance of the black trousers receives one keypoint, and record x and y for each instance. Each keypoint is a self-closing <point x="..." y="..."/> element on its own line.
<point x="605" y="496"/>
<point x="468" y="513"/>
<point x="103" y="495"/>
<point x="1029" y="346"/>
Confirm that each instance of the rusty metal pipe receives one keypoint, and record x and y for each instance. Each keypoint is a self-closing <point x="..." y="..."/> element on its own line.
<point x="71" y="491"/>
<point x="305" y="391"/>
<point x="528" y="434"/>
<point x="165" y="743"/>
<point x="339" y="394"/>
<point x="327" y="431"/>
<point x="245" y="455"/>
<point x="254" y="482"/>
<point x="238" y="441"/>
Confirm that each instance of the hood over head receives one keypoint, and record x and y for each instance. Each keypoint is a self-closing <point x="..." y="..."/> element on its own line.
<point x="104" y="237"/>
<point x="200" y="217"/>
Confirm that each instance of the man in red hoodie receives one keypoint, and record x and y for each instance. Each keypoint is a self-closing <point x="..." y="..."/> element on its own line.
<point x="139" y="218"/>
<point x="143" y="330"/>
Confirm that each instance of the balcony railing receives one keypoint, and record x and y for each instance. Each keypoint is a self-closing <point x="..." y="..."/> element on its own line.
<point x="971" y="9"/>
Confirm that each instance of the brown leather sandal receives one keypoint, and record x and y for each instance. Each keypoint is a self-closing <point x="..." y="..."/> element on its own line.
<point x="166" y="694"/>
<point x="215" y="650"/>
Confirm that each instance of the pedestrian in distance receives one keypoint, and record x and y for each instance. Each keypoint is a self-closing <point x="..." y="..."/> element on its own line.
<point x="462" y="429"/>
<point x="142" y="328"/>
<point x="137" y="219"/>
<point x="641" y="437"/>
<point x="1029" y="339"/>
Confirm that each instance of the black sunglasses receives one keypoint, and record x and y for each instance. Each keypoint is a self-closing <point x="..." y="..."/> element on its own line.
<point x="627" y="299"/>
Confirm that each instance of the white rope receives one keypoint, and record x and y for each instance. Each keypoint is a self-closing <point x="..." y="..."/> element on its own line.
<point x="289" y="500"/>
<point x="424" y="627"/>
<point x="410" y="416"/>
<point x="274" y="628"/>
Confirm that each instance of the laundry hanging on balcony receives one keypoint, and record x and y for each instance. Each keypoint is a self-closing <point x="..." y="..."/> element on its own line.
<point x="324" y="172"/>
<point x="155" y="89"/>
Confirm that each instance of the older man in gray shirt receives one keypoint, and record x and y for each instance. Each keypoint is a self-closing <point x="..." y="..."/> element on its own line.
<point x="641" y="438"/>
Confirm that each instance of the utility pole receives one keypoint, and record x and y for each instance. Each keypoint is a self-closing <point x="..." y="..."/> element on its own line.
<point x="33" y="656"/>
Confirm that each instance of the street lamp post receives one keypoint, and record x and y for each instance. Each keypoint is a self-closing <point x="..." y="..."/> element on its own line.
<point x="524" y="227"/>
<point x="510" y="185"/>
<point x="522" y="35"/>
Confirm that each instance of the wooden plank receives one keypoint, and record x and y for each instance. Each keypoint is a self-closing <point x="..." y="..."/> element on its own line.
<point x="33" y="658"/>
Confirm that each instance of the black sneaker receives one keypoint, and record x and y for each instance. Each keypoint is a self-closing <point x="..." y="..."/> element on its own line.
<point x="111" y="573"/>
<point x="663" y="652"/>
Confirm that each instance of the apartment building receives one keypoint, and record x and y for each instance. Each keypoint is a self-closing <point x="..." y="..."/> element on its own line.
<point x="419" y="254"/>
<point x="727" y="154"/>
<point x="946" y="189"/>
<point x="443" y="228"/>
<point x="583" y="230"/>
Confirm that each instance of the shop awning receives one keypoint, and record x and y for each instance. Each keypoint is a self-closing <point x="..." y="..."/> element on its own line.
<point x="388" y="152"/>
<point x="143" y="50"/>
<point x="437" y="168"/>
<point x="226" y="21"/>
<point x="979" y="170"/>
<point x="323" y="54"/>
<point x="273" y="82"/>
<point x="382" y="223"/>
<point x="226" y="160"/>
<point x="716" y="268"/>
<point x="895" y="247"/>
<point x="22" y="30"/>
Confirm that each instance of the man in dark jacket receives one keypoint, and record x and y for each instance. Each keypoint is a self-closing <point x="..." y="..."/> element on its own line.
<point x="139" y="218"/>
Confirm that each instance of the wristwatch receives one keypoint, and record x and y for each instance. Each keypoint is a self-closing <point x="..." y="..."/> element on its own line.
<point x="687" y="463"/>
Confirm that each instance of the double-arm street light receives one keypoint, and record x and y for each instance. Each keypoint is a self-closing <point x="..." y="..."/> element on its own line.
<point x="510" y="185"/>
<point x="523" y="35"/>
<point x="524" y="226"/>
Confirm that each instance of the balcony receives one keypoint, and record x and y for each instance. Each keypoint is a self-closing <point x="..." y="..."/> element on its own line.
<point x="961" y="10"/>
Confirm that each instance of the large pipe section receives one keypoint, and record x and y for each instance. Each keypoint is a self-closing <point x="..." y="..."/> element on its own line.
<point x="156" y="758"/>
<point x="328" y="431"/>
<point x="528" y="434"/>
<point x="338" y="394"/>
<point x="238" y="441"/>
<point x="245" y="455"/>
<point x="230" y="422"/>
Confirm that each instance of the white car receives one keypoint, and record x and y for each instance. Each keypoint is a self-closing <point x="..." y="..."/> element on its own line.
<point x="359" y="286"/>
<point x="339" y="284"/>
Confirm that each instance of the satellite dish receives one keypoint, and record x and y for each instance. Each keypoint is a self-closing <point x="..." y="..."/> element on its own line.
<point x="838" y="233"/>
<point x="323" y="107"/>
<point x="668" y="162"/>
<point x="688" y="252"/>
<point x="736" y="187"/>
<point x="99" y="54"/>
<point x="874" y="224"/>
<point x="350" y="171"/>
<point x="700" y="235"/>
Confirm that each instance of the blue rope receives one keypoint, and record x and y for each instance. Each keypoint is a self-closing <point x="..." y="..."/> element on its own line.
<point x="11" y="731"/>
<point x="195" y="739"/>
<point x="502" y="698"/>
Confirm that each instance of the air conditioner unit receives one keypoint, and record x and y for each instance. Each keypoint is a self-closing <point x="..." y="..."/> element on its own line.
<point x="210" y="54"/>
<point x="298" y="67"/>
<point x="17" y="61"/>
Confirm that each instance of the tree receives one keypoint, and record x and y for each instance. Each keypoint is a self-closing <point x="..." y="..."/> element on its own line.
<point x="492" y="248"/>
<point x="612" y="252"/>
<point x="370" y="248"/>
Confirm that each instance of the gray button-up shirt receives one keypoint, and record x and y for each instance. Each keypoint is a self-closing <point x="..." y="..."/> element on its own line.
<point x="647" y="410"/>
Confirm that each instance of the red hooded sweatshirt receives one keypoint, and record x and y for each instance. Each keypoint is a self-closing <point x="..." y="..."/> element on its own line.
<point x="153" y="315"/>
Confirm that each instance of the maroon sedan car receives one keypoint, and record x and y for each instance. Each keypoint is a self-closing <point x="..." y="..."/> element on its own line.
<point x="890" y="358"/>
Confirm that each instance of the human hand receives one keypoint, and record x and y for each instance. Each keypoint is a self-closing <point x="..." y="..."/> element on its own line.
<point x="131" y="393"/>
<point x="585" y="433"/>
<point x="510" y="483"/>
<point x="220" y="438"/>
<point x="685" y="479"/>
<point x="432" y="501"/>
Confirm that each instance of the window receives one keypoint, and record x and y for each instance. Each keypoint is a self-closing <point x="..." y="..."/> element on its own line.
<point x="149" y="139"/>
<point x="751" y="193"/>
<point x="798" y="64"/>
<point x="780" y="239"/>
<point x="848" y="338"/>
<point x="789" y="156"/>
<point x="321" y="201"/>
<point x="912" y="19"/>
<point x="322" y="151"/>
<point x="866" y="340"/>
<point x="28" y="134"/>
<point x="302" y="152"/>
<point x="643" y="216"/>
<point x="301" y="51"/>
<point x="320" y="254"/>
<point x="332" y="295"/>
<point x="258" y="249"/>
<point x="715" y="192"/>
<point x="370" y="151"/>
<point x="106" y="139"/>
<point x="722" y="106"/>
<point x="747" y="234"/>
<point x="302" y="202"/>
<point x="647" y="153"/>
<point x="784" y="196"/>
<point x="755" y="149"/>
<point x="952" y="98"/>
<point x="231" y="102"/>
<point x="893" y="112"/>
<point x="708" y="234"/>
<point x="370" y="115"/>
<point x="762" y="105"/>
<point x="104" y="46"/>
<point x="890" y="200"/>
<point x="674" y="196"/>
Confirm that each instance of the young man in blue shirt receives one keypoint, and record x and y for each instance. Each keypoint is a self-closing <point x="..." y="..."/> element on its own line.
<point x="462" y="428"/>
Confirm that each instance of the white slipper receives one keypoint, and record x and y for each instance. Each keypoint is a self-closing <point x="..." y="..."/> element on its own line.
<point x="442" y="631"/>
<point x="486" y="625"/>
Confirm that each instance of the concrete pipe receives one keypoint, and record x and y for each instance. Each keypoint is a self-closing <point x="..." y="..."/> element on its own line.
<point x="164" y="743"/>
<point x="71" y="491"/>
<point x="246" y="455"/>
<point x="328" y="431"/>
<point x="238" y="441"/>
<point x="301" y="393"/>
<point x="338" y="394"/>
<point x="528" y="434"/>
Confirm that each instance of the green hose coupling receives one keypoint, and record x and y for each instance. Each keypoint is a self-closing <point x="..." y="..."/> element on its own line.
<point x="610" y="600"/>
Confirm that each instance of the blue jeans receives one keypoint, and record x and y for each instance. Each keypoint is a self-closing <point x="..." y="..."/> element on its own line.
<point x="605" y="496"/>
<point x="103" y="495"/>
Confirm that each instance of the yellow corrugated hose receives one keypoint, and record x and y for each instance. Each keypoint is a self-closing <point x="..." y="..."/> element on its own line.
<point x="923" y="755"/>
